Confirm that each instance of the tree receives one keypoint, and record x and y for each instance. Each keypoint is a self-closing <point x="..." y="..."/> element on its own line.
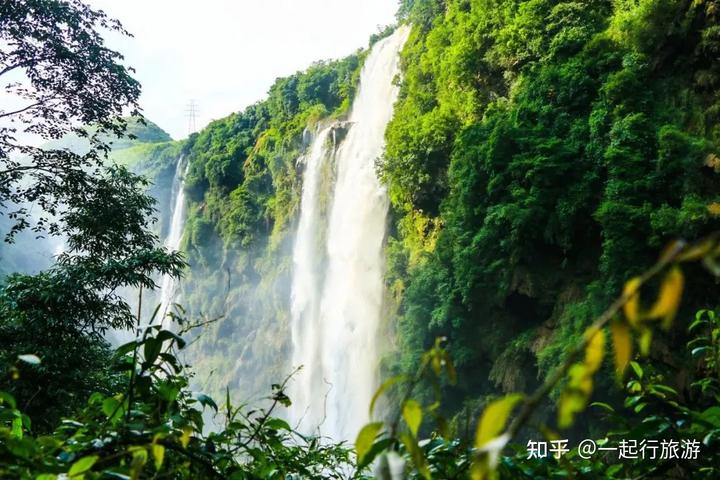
<point x="60" y="77"/>
<point x="70" y="80"/>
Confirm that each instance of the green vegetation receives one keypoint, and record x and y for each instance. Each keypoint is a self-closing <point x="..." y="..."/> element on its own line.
<point x="244" y="186"/>
<point x="541" y="153"/>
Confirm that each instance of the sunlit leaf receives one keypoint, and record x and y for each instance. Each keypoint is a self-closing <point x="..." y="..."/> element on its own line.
<point x="139" y="459"/>
<point x="644" y="341"/>
<point x="669" y="298"/>
<point x="576" y="394"/>
<point x="595" y="349"/>
<point x="714" y="209"/>
<point x="113" y="407"/>
<point x="158" y="451"/>
<point x="580" y="378"/>
<point x="572" y="402"/>
<point x="185" y="437"/>
<point x="494" y="418"/>
<point x="82" y="466"/>
<point x="637" y="369"/>
<point x="632" y="305"/>
<point x="622" y="343"/>
<point x="412" y="413"/>
<point x="366" y="438"/>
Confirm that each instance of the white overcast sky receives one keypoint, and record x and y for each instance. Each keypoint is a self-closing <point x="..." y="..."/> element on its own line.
<point x="225" y="54"/>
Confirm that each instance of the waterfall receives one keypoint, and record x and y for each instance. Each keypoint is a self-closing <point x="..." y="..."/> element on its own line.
<point x="172" y="241"/>
<point x="336" y="314"/>
<point x="304" y="305"/>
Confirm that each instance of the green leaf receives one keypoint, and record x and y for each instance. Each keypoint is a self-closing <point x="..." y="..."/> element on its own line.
<point x="151" y="350"/>
<point x="494" y="418"/>
<point x="112" y="407"/>
<point x="638" y="369"/>
<point x="126" y="348"/>
<point x="278" y="424"/>
<point x="603" y="405"/>
<point x="205" y="400"/>
<point x="386" y="384"/>
<point x="412" y="413"/>
<point x="366" y="438"/>
<point x="158" y="452"/>
<point x="7" y="399"/>
<point x="417" y="455"/>
<point x="82" y="466"/>
<point x="167" y="335"/>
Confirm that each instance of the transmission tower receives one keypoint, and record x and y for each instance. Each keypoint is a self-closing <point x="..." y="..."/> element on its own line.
<point x="191" y="112"/>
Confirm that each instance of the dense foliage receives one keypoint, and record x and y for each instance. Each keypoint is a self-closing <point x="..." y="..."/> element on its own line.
<point x="541" y="152"/>
<point x="100" y="210"/>
<point x="57" y="75"/>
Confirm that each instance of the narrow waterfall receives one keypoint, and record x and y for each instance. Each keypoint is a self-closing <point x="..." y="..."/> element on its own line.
<point x="307" y="283"/>
<point x="336" y="325"/>
<point x="172" y="241"/>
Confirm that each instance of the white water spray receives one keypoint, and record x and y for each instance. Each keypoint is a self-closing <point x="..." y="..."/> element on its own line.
<point x="335" y="327"/>
<point x="172" y="242"/>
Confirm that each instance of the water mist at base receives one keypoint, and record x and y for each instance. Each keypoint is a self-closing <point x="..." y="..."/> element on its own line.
<point x="337" y="293"/>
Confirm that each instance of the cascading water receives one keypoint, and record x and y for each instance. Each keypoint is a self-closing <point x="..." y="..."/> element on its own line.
<point x="172" y="242"/>
<point x="305" y="301"/>
<point x="336" y="325"/>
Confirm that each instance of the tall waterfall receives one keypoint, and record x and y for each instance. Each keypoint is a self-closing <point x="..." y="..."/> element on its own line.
<point x="172" y="242"/>
<point x="336" y="312"/>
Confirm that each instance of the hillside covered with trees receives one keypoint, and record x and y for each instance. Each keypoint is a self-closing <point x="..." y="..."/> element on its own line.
<point x="551" y="256"/>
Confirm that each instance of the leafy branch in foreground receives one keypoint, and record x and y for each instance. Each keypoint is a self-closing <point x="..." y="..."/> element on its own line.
<point x="156" y="427"/>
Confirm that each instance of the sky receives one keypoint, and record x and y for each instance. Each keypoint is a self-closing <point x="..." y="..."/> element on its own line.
<point x="225" y="54"/>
